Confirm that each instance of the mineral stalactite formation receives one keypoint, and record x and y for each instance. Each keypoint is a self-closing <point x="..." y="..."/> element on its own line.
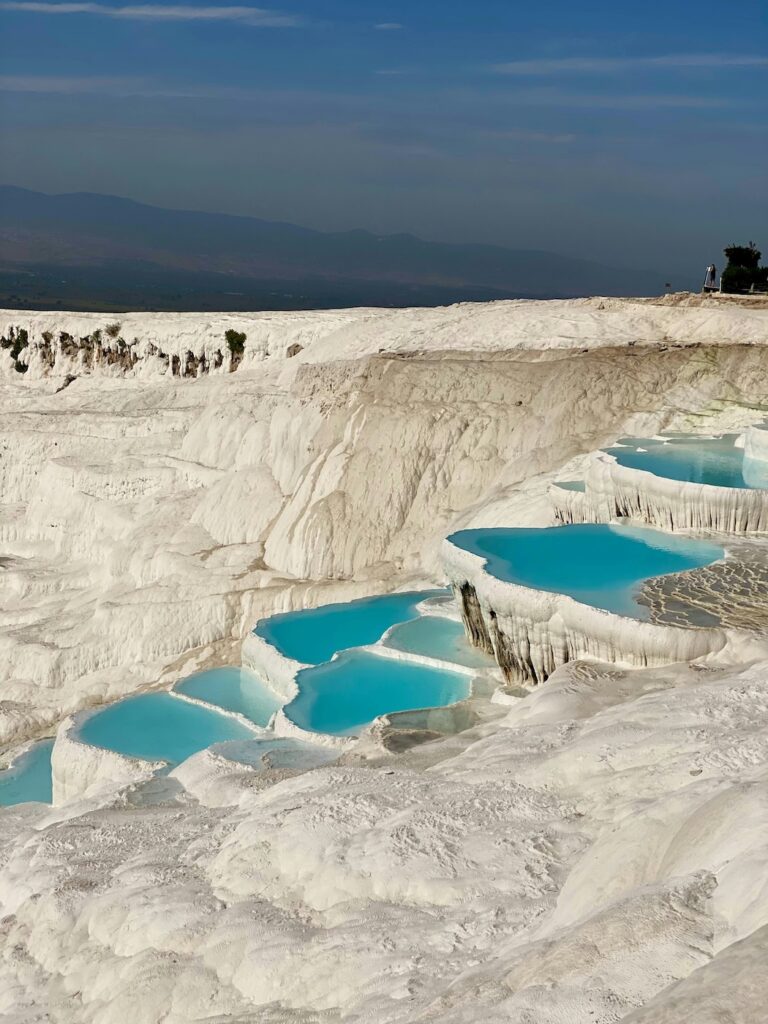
<point x="472" y="617"/>
<point x="613" y="491"/>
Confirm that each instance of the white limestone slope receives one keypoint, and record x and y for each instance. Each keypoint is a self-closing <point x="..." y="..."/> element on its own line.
<point x="599" y="852"/>
<point x="144" y="516"/>
<point x="605" y="844"/>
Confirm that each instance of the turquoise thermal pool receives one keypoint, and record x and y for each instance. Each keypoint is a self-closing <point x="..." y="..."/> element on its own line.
<point x="602" y="566"/>
<point x="315" y="635"/>
<point x="697" y="460"/>
<point x="437" y="637"/>
<point x="159" y="727"/>
<point x="29" y="778"/>
<point x="233" y="689"/>
<point x="344" y="695"/>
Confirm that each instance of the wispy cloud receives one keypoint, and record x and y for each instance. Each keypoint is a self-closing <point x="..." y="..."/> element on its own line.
<point x="127" y="86"/>
<point x="547" y="138"/>
<point x="388" y="26"/>
<point x="120" y="86"/>
<point x="614" y="65"/>
<point x="255" y="16"/>
<point x="68" y="84"/>
<point x="613" y="101"/>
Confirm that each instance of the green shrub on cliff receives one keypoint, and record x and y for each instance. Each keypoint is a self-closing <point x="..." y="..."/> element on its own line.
<point x="236" y="341"/>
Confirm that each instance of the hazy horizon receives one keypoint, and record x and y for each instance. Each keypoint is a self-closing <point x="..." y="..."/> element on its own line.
<point x="634" y="136"/>
<point x="171" y="207"/>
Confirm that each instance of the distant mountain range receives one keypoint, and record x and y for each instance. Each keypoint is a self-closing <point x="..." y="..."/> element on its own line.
<point x="105" y="252"/>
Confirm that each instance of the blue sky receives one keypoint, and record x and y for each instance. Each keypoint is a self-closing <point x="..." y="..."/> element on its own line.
<point x="631" y="133"/>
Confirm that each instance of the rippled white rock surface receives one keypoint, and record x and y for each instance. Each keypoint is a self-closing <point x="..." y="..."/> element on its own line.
<point x="598" y="853"/>
<point x="605" y="842"/>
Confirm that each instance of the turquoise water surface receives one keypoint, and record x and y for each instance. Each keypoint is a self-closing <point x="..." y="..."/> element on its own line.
<point x="316" y="634"/>
<point x="159" y="727"/>
<point x="437" y="637"/>
<point x="234" y="689"/>
<point x="29" y="778"/>
<point x="602" y="566"/>
<point x="346" y="694"/>
<point x="694" y="460"/>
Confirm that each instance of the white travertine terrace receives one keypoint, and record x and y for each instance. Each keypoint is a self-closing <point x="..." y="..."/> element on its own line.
<point x="596" y="853"/>
<point x="271" y="665"/>
<point x="531" y="633"/>
<point x="280" y="673"/>
<point x="571" y="506"/>
<point x="613" y="491"/>
<point x="80" y="769"/>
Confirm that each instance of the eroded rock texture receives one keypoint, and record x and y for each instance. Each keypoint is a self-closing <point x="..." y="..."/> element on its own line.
<point x="732" y="593"/>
